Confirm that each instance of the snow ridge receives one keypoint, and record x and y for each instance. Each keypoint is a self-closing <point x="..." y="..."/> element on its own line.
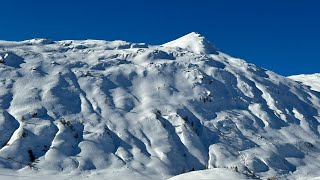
<point x="312" y="80"/>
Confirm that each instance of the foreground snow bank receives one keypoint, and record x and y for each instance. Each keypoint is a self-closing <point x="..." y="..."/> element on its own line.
<point x="114" y="174"/>
<point x="212" y="174"/>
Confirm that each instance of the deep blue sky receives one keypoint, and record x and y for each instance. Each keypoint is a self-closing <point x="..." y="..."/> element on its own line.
<point x="280" y="35"/>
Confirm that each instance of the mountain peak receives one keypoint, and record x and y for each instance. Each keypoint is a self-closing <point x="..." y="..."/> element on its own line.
<point x="194" y="42"/>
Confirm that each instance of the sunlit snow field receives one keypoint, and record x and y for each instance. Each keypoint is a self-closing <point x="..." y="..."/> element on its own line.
<point x="113" y="110"/>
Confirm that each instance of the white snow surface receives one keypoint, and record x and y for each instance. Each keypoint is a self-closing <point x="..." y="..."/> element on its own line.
<point x="212" y="174"/>
<point x="193" y="42"/>
<point x="114" y="109"/>
<point x="312" y="80"/>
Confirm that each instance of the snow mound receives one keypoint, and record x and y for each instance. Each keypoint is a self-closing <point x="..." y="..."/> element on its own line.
<point x="42" y="41"/>
<point x="312" y="80"/>
<point x="193" y="42"/>
<point x="212" y="174"/>
<point x="11" y="59"/>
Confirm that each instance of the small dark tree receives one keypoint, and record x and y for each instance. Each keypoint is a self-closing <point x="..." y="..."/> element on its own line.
<point x="32" y="158"/>
<point x="34" y="115"/>
<point x="24" y="133"/>
<point x="157" y="112"/>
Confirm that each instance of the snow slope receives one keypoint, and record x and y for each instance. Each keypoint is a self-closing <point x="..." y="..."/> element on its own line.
<point x="212" y="174"/>
<point x="312" y="80"/>
<point x="115" y="108"/>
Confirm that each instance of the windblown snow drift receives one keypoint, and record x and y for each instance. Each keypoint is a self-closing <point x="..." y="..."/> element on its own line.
<point x="159" y="111"/>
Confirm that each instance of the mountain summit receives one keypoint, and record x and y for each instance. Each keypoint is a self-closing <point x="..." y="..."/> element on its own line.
<point x="193" y="42"/>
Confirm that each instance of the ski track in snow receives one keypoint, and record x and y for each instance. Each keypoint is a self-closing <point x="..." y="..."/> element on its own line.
<point x="110" y="109"/>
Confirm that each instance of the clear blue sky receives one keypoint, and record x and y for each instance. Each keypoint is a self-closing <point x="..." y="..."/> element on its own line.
<point x="280" y="35"/>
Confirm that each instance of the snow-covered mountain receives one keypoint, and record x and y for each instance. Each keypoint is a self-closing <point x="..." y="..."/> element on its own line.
<point x="109" y="108"/>
<point x="312" y="80"/>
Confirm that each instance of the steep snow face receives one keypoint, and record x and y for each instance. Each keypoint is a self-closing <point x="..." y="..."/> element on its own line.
<point x="154" y="111"/>
<point x="193" y="42"/>
<point x="312" y="80"/>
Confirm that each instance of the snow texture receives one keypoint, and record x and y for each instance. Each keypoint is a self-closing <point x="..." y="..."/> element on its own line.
<point x="213" y="174"/>
<point x="312" y="80"/>
<point x="114" y="109"/>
